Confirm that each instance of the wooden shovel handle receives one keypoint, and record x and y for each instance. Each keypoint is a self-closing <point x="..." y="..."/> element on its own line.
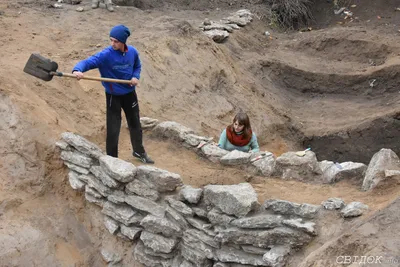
<point x="61" y="74"/>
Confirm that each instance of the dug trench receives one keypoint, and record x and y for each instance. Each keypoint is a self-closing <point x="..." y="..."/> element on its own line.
<point x="296" y="97"/>
<point x="345" y="107"/>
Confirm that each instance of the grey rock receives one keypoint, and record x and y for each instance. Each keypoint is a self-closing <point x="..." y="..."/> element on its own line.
<point x="75" y="182"/>
<point x="98" y="201"/>
<point x="190" y="194"/>
<point x="194" y="140"/>
<point x="100" y="174"/>
<point x="77" y="158"/>
<point x="241" y="21"/>
<point x="175" y="216"/>
<point x="230" y="254"/>
<point x="200" y="212"/>
<point x="63" y="145"/>
<point x="235" y="157"/>
<point x="82" y="145"/>
<point x="179" y="206"/>
<point x="236" y="200"/>
<point x="213" y="152"/>
<point x="221" y="264"/>
<point x="109" y="256"/>
<point x="93" y="182"/>
<point x="158" y="243"/>
<point x="122" y="213"/>
<point x="383" y="160"/>
<point x="217" y="217"/>
<point x="308" y="227"/>
<point x="186" y="263"/>
<point x="173" y="130"/>
<point x="196" y="244"/>
<point x="118" y="169"/>
<point x="148" y="260"/>
<point x="264" y="238"/>
<point x="291" y="208"/>
<point x="199" y="235"/>
<point x="233" y="26"/>
<point x="178" y="260"/>
<point x="218" y="26"/>
<point x="158" y="179"/>
<point x="117" y="197"/>
<point x="151" y="252"/>
<point x="244" y="13"/>
<point x="146" y="205"/>
<point x="392" y="173"/>
<point x="254" y="250"/>
<point x="76" y="168"/>
<point x="291" y="166"/>
<point x="195" y="256"/>
<point x="325" y="165"/>
<point x="266" y="165"/>
<point x="207" y="21"/>
<point x="353" y="209"/>
<point x="201" y="225"/>
<point x="148" y="123"/>
<point x="111" y="225"/>
<point x="277" y="256"/>
<point x="347" y="170"/>
<point x="142" y="189"/>
<point x="333" y="203"/>
<point x="93" y="192"/>
<point x="158" y="225"/>
<point x="259" y="221"/>
<point x="131" y="232"/>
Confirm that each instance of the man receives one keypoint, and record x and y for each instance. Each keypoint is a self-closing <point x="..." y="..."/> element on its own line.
<point x="119" y="61"/>
<point x="95" y="4"/>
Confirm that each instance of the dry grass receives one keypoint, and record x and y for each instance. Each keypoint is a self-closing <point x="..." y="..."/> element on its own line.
<point x="292" y="14"/>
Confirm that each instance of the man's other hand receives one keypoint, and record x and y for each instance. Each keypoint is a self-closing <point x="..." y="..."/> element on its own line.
<point x="134" y="82"/>
<point x="78" y="75"/>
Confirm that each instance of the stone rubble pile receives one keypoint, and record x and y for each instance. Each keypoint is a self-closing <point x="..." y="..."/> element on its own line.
<point x="219" y="31"/>
<point x="218" y="225"/>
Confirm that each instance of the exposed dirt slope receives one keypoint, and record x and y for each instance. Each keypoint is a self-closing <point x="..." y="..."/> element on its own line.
<point x="299" y="89"/>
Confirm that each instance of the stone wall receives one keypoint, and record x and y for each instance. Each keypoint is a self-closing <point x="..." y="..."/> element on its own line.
<point x="171" y="224"/>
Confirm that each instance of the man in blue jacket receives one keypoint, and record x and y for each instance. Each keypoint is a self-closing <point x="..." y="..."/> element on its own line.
<point x="119" y="61"/>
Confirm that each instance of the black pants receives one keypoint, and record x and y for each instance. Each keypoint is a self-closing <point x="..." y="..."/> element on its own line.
<point x="129" y="103"/>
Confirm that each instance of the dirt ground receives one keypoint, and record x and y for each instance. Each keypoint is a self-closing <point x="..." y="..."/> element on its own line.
<point x="300" y="89"/>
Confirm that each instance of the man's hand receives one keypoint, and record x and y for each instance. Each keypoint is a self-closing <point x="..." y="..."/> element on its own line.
<point x="134" y="82"/>
<point x="78" y="75"/>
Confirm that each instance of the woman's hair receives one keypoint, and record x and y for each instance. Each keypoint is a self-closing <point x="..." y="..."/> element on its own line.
<point x="244" y="120"/>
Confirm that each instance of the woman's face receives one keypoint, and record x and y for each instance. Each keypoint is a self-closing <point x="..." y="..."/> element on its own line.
<point x="238" y="127"/>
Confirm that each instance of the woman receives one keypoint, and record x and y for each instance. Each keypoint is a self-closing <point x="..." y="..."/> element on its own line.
<point x="239" y="136"/>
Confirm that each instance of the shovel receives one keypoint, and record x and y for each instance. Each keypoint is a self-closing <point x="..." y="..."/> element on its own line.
<point x="302" y="153"/>
<point x="45" y="69"/>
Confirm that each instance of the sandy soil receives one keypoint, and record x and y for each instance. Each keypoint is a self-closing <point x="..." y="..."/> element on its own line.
<point x="300" y="89"/>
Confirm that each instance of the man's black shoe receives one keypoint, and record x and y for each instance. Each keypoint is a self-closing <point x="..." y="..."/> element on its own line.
<point x="143" y="157"/>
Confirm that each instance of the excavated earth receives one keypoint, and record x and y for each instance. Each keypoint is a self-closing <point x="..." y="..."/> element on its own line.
<point x="334" y="89"/>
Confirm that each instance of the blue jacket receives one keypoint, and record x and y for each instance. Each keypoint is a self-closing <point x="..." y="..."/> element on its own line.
<point x="114" y="64"/>
<point x="252" y="146"/>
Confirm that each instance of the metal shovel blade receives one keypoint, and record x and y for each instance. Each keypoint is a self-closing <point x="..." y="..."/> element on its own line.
<point x="40" y="67"/>
<point x="302" y="153"/>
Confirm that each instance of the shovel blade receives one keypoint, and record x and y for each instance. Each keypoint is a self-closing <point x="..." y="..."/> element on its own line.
<point x="40" y="67"/>
<point x="301" y="153"/>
